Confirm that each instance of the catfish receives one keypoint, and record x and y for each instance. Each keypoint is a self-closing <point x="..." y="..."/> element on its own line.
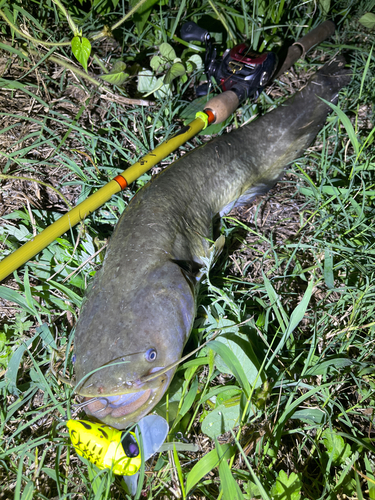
<point x="140" y="310"/>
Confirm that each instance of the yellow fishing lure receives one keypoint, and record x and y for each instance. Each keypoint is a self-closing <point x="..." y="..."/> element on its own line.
<point x="106" y="447"/>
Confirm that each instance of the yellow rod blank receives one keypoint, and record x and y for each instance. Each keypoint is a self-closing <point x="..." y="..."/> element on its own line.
<point x="96" y="200"/>
<point x="162" y="151"/>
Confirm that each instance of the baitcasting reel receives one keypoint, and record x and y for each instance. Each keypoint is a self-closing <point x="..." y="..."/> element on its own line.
<point x="241" y="70"/>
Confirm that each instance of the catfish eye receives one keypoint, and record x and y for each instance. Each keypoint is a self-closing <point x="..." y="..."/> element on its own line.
<point x="151" y="355"/>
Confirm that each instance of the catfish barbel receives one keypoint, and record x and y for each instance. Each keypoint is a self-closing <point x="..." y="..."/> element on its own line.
<point x="141" y="307"/>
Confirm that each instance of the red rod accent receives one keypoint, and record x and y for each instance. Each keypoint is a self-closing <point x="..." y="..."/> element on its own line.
<point x="121" y="181"/>
<point x="211" y="116"/>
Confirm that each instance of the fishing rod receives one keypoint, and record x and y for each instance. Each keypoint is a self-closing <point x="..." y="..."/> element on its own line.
<point x="241" y="73"/>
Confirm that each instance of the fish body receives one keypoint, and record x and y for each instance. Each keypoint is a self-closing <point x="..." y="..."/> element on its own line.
<point x="140" y="310"/>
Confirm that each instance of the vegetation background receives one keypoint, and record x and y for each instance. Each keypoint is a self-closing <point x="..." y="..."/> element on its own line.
<point x="287" y="411"/>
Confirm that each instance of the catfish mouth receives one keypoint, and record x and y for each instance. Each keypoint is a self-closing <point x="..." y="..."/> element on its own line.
<point x="120" y="409"/>
<point x="117" y="406"/>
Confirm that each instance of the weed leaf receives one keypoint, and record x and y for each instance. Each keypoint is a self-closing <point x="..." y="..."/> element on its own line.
<point x="117" y="75"/>
<point x="167" y="52"/>
<point x="328" y="268"/>
<point x="347" y="124"/>
<point x="176" y="70"/>
<point x="368" y="20"/>
<point x="142" y="14"/>
<point x="28" y="492"/>
<point x="17" y="298"/>
<point x="287" y="488"/>
<point x="14" y="364"/>
<point x="206" y="464"/>
<point x="81" y="48"/>
<point x="228" y="485"/>
<point x="189" y="398"/>
<point x="244" y="354"/>
<point x="231" y="361"/>
<point x="337" y="449"/>
<point x="221" y="420"/>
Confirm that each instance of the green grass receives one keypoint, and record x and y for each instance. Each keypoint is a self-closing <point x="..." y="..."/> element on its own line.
<point x="292" y="298"/>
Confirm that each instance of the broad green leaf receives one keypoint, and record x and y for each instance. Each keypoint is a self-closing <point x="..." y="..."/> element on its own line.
<point x="176" y="70"/>
<point x="206" y="464"/>
<point x="28" y="491"/>
<point x="230" y="391"/>
<point x="3" y="339"/>
<point x="17" y="298"/>
<point x="167" y="51"/>
<point x="221" y="420"/>
<point x="190" y="397"/>
<point x="370" y="476"/>
<point x="333" y="363"/>
<point x="325" y="6"/>
<point x="22" y="233"/>
<point x="179" y="471"/>
<point x="232" y="362"/>
<point x="287" y="488"/>
<point x="159" y="85"/>
<point x="309" y="415"/>
<point x="117" y="75"/>
<point x="215" y="128"/>
<point x="328" y="268"/>
<point x="5" y="355"/>
<point x="251" y="491"/>
<point x="295" y="318"/>
<point x="158" y="64"/>
<point x="245" y="356"/>
<point x="142" y="14"/>
<point x="14" y="364"/>
<point x="21" y="325"/>
<point x="194" y="63"/>
<point x="337" y="449"/>
<point x="228" y="485"/>
<point x="146" y="81"/>
<point x="81" y="49"/>
<point x="168" y="408"/>
<point x="46" y="336"/>
<point x="368" y="20"/>
<point x="163" y="91"/>
<point x="227" y="395"/>
<point x="347" y="124"/>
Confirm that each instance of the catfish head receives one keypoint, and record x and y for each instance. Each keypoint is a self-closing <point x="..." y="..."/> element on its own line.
<point x="128" y="332"/>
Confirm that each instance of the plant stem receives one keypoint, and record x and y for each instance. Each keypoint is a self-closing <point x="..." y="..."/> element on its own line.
<point x="223" y="21"/>
<point x="71" y="23"/>
<point x="91" y="79"/>
<point x="28" y="37"/>
<point x="107" y="31"/>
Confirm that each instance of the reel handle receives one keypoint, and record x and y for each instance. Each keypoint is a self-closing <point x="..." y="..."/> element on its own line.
<point x="191" y="32"/>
